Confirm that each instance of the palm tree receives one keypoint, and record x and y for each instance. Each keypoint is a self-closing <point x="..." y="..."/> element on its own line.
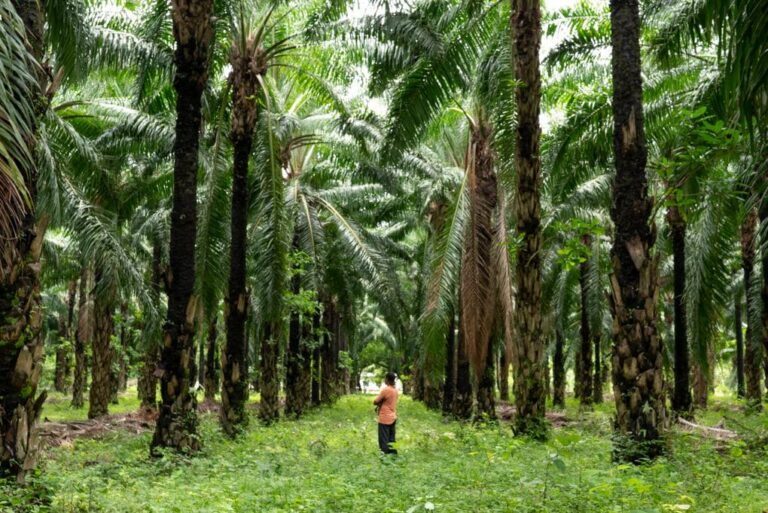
<point x="529" y="387"/>
<point x="637" y="369"/>
<point x="249" y="63"/>
<point x="193" y="32"/>
<point x="752" y="361"/>
<point x="23" y="82"/>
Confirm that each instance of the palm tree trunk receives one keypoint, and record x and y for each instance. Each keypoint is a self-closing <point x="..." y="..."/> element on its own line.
<point x="585" y="353"/>
<point x="83" y="336"/>
<point x="21" y="343"/>
<point x="293" y="359"/>
<point x="147" y="382"/>
<point x="752" y="344"/>
<point x="637" y="358"/>
<point x="462" y="402"/>
<point x="558" y="371"/>
<point x="211" y="383"/>
<point x="303" y="382"/>
<point x="529" y="369"/>
<point x="234" y="386"/>
<point x="597" y="384"/>
<point x="327" y="383"/>
<point x="486" y="404"/>
<point x="316" y="373"/>
<point x="101" y="350"/>
<point x="449" y="385"/>
<point x="681" y="401"/>
<point x="63" y="368"/>
<point x="764" y="287"/>
<point x="740" y="390"/>
<point x="177" y="424"/>
<point x="269" y="384"/>
<point x="125" y="342"/>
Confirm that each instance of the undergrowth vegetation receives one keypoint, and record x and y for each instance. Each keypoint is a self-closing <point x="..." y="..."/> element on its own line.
<point x="329" y="462"/>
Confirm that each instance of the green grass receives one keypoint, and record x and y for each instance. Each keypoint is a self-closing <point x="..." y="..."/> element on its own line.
<point x="57" y="407"/>
<point x="328" y="462"/>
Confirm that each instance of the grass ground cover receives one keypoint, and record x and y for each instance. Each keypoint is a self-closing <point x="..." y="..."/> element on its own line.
<point x="328" y="462"/>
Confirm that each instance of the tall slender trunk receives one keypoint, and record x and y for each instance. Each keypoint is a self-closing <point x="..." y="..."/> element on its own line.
<point x="101" y="350"/>
<point x="177" y="423"/>
<point x="752" y="342"/>
<point x="328" y="381"/>
<point x="558" y="371"/>
<point x="61" y="369"/>
<point x="597" y="384"/>
<point x="529" y="369"/>
<point x="681" y="401"/>
<point x="316" y="361"/>
<point x="269" y="382"/>
<point x="638" y="381"/>
<point x="505" y="362"/>
<point x="63" y="353"/>
<point x="147" y="382"/>
<point x="303" y="381"/>
<point x="462" y="402"/>
<point x="21" y="343"/>
<point x="486" y="389"/>
<point x="764" y="287"/>
<point x="585" y="353"/>
<point x="211" y="383"/>
<point x="316" y="376"/>
<point x="293" y="358"/>
<point x="449" y="385"/>
<point x="83" y="335"/>
<point x="740" y="390"/>
<point x="125" y="342"/>
<point x="234" y="363"/>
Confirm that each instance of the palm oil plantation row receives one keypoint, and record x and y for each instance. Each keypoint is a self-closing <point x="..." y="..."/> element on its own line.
<point x="227" y="198"/>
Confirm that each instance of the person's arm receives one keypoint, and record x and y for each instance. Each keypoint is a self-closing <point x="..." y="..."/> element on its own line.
<point x="379" y="398"/>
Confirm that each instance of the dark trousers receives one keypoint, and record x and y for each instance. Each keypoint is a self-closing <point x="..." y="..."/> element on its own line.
<point x="386" y="437"/>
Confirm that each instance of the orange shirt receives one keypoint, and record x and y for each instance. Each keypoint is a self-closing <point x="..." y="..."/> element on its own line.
<point x="387" y="400"/>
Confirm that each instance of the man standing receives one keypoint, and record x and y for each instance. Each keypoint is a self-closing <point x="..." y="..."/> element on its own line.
<point x="386" y="405"/>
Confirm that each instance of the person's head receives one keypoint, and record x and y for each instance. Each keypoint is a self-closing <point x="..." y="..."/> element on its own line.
<point x="389" y="379"/>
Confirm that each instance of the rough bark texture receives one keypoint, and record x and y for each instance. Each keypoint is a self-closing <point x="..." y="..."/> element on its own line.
<point x="212" y="368"/>
<point x="740" y="389"/>
<point x="752" y="367"/>
<point x="638" y="383"/>
<point x="21" y="345"/>
<point x="329" y="354"/>
<point x="597" y="383"/>
<point x="147" y="382"/>
<point x="269" y="407"/>
<point x="303" y="382"/>
<point x="449" y="385"/>
<point x="247" y="65"/>
<point x="63" y="352"/>
<point x="177" y="424"/>
<point x="125" y="342"/>
<point x="101" y="351"/>
<point x="681" y="400"/>
<point x="585" y="394"/>
<point x="504" y="364"/>
<point x="558" y="372"/>
<point x="462" y="402"/>
<point x="486" y="404"/>
<point x="764" y="285"/>
<point x="83" y="336"/>
<point x="529" y="370"/>
<point x="294" y="363"/>
<point x="316" y="376"/>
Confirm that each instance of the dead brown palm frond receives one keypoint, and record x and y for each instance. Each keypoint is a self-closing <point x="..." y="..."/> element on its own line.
<point x="478" y="295"/>
<point x="503" y="272"/>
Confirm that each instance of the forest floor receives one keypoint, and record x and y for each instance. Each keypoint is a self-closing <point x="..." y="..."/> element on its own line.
<point x="329" y="462"/>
